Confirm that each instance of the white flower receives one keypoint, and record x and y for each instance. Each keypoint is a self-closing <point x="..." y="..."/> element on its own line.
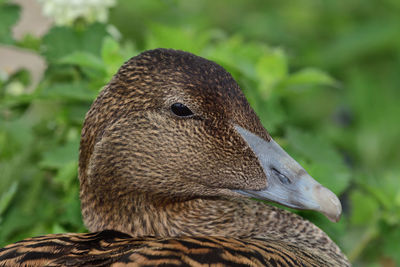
<point x="65" y="12"/>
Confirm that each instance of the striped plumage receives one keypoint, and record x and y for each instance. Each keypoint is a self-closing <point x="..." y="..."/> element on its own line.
<point x="111" y="248"/>
<point x="173" y="185"/>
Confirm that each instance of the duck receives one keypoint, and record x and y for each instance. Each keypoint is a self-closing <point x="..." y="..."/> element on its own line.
<point x="176" y="169"/>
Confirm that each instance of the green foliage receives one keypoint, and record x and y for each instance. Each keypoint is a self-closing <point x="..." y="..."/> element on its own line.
<point x="62" y="41"/>
<point x="9" y="15"/>
<point x="320" y="158"/>
<point x="343" y="130"/>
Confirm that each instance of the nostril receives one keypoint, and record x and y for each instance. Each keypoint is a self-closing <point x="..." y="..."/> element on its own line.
<point x="282" y="177"/>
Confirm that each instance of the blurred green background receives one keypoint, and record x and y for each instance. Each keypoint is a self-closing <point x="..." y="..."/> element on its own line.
<point x="322" y="75"/>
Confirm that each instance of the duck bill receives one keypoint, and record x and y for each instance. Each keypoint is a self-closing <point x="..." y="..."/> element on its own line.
<point x="287" y="182"/>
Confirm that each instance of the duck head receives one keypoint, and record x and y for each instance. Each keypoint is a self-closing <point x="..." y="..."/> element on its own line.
<point x="172" y="127"/>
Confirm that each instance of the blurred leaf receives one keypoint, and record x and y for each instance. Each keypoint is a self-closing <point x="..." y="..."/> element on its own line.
<point x="237" y="56"/>
<point x="310" y="76"/>
<point x="31" y="42"/>
<point x="112" y="56"/>
<point x="391" y="245"/>
<point x="18" y="133"/>
<point x="62" y="41"/>
<point x="186" y="39"/>
<point x="364" y="208"/>
<point x="326" y="164"/>
<point x="365" y="38"/>
<point x="77" y="111"/>
<point x="69" y="91"/>
<point x="60" y="157"/>
<point x="83" y="59"/>
<point x="66" y="173"/>
<point x="312" y="146"/>
<point x="335" y="177"/>
<point x="272" y="114"/>
<point x="9" y="15"/>
<point x="7" y="196"/>
<point x="386" y="192"/>
<point x="58" y="229"/>
<point x="271" y="68"/>
<point x="71" y="212"/>
<point x="111" y="53"/>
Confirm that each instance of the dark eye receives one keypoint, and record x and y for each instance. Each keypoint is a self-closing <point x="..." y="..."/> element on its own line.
<point x="181" y="110"/>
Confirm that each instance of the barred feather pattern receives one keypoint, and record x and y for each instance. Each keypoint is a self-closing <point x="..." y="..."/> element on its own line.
<point x="112" y="248"/>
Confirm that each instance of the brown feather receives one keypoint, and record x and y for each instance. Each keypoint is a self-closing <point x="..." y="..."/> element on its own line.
<point x="111" y="248"/>
<point x="166" y="181"/>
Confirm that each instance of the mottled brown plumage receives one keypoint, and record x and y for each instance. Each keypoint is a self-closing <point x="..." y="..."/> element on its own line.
<point x="117" y="249"/>
<point x="168" y="182"/>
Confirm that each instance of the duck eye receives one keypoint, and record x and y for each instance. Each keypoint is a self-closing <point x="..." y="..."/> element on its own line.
<point x="181" y="110"/>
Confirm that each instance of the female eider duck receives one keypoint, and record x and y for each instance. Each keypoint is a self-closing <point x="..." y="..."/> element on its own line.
<point x="170" y="155"/>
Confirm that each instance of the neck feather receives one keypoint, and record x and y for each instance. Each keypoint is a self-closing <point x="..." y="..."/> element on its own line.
<point x="241" y="218"/>
<point x="139" y="215"/>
